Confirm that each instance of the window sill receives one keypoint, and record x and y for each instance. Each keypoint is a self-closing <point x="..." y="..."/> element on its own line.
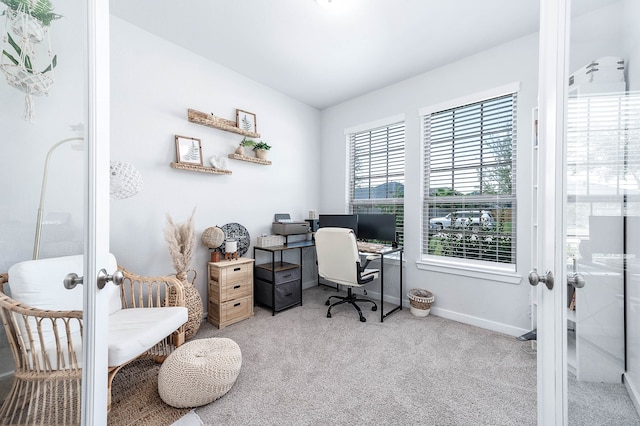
<point x="490" y="273"/>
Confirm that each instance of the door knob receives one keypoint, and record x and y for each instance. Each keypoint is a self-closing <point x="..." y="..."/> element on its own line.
<point x="71" y="281"/>
<point x="547" y="278"/>
<point x="576" y="280"/>
<point x="103" y="278"/>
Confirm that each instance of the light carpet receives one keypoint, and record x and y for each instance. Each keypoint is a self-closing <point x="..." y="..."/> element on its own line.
<point x="301" y="368"/>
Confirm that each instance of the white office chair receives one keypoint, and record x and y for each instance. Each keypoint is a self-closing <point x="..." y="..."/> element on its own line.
<point x="339" y="262"/>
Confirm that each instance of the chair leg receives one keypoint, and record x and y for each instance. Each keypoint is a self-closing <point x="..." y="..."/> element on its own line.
<point x="350" y="299"/>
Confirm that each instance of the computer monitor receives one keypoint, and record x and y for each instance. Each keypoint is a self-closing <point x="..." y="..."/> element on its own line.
<point x="379" y="227"/>
<point x="339" y="221"/>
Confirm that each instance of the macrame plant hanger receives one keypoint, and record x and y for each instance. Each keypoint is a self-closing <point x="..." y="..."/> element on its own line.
<point x="23" y="39"/>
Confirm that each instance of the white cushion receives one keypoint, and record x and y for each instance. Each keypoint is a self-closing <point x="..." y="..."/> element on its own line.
<point x="135" y="330"/>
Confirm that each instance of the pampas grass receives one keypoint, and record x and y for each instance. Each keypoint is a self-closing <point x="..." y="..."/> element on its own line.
<point x="180" y="240"/>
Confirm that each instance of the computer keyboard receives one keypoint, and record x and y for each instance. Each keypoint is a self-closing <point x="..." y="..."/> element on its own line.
<point x="366" y="247"/>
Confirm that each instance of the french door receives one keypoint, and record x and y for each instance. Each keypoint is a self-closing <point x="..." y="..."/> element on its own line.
<point x="587" y="208"/>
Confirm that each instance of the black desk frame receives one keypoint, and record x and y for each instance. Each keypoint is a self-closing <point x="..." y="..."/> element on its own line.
<point x="381" y="258"/>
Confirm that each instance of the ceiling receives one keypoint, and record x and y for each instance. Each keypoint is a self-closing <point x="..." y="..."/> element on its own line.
<point x="322" y="56"/>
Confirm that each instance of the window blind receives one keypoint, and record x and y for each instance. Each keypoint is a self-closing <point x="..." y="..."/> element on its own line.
<point x="376" y="172"/>
<point x="470" y="181"/>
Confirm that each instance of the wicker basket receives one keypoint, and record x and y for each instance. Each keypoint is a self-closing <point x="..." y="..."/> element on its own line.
<point x="420" y="301"/>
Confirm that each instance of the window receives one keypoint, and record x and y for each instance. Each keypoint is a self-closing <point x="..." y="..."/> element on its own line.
<point x="376" y="172"/>
<point x="469" y="206"/>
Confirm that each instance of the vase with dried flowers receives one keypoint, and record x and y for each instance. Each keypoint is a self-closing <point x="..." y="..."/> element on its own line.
<point x="180" y="240"/>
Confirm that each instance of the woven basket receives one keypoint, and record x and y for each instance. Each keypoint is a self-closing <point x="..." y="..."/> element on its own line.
<point x="420" y="299"/>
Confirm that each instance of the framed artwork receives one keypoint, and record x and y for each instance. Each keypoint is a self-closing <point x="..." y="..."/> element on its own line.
<point x="246" y="121"/>
<point x="188" y="150"/>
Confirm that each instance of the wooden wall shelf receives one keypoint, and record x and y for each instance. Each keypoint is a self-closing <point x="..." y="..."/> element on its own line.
<point x="202" y="169"/>
<point x="250" y="159"/>
<point x="217" y="123"/>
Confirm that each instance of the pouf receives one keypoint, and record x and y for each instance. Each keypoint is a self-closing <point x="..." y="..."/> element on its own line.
<point x="199" y="372"/>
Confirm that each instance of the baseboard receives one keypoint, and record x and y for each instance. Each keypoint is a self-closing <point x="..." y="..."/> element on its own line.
<point x="6" y="375"/>
<point x="632" y="390"/>
<point x="478" y="322"/>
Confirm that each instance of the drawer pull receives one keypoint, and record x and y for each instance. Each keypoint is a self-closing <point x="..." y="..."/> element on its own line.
<point x="236" y="305"/>
<point x="287" y="276"/>
<point x="237" y="269"/>
<point x="288" y="294"/>
<point x="236" y="286"/>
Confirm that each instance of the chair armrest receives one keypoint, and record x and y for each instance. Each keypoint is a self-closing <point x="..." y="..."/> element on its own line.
<point x="138" y="291"/>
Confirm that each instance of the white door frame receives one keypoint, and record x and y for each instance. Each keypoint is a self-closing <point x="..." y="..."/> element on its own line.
<point x="96" y="217"/>
<point x="551" y="315"/>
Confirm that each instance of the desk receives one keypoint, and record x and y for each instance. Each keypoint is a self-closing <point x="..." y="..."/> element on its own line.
<point x="382" y="255"/>
<point x="278" y="284"/>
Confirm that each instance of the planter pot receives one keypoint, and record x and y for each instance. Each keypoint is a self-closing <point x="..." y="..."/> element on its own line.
<point x="420" y="301"/>
<point x="262" y="154"/>
<point x="193" y="303"/>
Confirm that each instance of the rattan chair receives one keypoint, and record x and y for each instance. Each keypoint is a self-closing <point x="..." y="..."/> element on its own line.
<point x="46" y="346"/>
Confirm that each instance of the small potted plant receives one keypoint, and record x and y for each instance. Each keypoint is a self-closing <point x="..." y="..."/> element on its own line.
<point x="245" y="143"/>
<point x="261" y="149"/>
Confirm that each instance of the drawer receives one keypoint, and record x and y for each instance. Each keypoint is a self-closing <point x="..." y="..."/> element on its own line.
<point x="236" y="290"/>
<point x="232" y="274"/>
<point x="285" y="272"/>
<point x="236" y="309"/>
<point x="286" y="294"/>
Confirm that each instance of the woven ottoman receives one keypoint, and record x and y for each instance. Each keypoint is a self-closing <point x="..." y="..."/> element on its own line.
<point x="199" y="372"/>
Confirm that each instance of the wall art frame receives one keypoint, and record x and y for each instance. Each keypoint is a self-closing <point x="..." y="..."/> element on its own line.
<point x="246" y="121"/>
<point x="188" y="150"/>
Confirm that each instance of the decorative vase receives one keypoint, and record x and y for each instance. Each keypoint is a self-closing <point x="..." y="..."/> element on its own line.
<point x="193" y="303"/>
<point x="240" y="150"/>
<point x="262" y="154"/>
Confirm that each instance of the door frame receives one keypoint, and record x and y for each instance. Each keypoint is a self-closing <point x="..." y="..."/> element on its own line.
<point x="551" y="315"/>
<point x="96" y="215"/>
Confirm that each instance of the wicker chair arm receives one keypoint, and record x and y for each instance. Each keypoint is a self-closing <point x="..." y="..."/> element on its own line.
<point x="23" y="309"/>
<point x="138" y="291"/>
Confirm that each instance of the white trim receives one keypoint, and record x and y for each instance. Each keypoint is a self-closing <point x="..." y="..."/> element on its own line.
<point x="632" y="390"/>
<point x="376" y="124"/>
<point x="469" y="99"/>
<point x="478" y="322"/>
<point x="466" y="268"/>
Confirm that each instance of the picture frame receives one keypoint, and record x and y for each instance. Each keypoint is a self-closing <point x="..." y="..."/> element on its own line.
<point x="188" y="150"/>
<point x="246" y="121"/>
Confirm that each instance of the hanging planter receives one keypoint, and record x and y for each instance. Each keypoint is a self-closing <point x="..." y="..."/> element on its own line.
<point x="27" y="23"/>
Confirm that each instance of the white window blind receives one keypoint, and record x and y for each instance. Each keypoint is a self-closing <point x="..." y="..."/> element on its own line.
<point x="376" y="172"/>
<point x="470" y="181"/>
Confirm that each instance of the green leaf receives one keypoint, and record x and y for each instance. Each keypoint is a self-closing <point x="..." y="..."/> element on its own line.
<point x="54" y="62"/>
<point x="11" y="58"/>
<point x="14" y="45"/>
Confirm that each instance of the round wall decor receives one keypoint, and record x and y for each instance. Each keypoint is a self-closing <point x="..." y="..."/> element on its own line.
<point x="237" y="232"/>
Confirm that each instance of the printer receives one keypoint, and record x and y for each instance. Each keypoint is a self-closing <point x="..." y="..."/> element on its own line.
<point x="283" y="225"/>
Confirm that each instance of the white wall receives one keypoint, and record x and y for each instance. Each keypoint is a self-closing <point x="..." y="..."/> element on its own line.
<point x="485" y="302"/>
<point x="153" y="84"/>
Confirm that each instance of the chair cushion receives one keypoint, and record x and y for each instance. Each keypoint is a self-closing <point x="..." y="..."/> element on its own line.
<point x="133" y="331"/>
<point x="39" y="283"/>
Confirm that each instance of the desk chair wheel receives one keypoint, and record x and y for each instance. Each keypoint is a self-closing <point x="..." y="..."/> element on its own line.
<point x="374" y="308"/>
<point x="328" y="314"/>
<point x="362" y="319"/>
<point x="327" y="303"/>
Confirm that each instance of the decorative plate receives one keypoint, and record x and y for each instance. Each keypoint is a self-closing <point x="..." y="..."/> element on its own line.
<point x="237" y="232"/>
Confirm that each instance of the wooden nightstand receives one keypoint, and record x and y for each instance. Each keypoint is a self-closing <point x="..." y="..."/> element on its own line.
<point x="230" y="291"/>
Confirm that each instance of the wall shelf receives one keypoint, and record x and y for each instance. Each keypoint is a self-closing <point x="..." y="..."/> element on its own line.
<point x="202" y="169"/>
<point x="250" y="159"/>
<point x="217" y="123"/>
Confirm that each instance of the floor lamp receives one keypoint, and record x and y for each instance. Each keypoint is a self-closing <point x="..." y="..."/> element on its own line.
<point x="125" y="181"/>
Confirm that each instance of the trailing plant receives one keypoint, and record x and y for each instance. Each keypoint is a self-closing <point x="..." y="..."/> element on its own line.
<point x="42" y="10"/>
<point x="27" y="65"/>
<point x="261" y="145"/>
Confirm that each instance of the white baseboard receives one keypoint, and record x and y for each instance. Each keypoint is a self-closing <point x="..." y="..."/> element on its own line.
<point x="6" y="374"/>
<point x="478" y="322"/>
<point x="632" y="390"/>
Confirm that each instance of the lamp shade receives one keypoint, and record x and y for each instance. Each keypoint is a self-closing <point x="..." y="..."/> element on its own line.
<point x="126" y="180"/>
